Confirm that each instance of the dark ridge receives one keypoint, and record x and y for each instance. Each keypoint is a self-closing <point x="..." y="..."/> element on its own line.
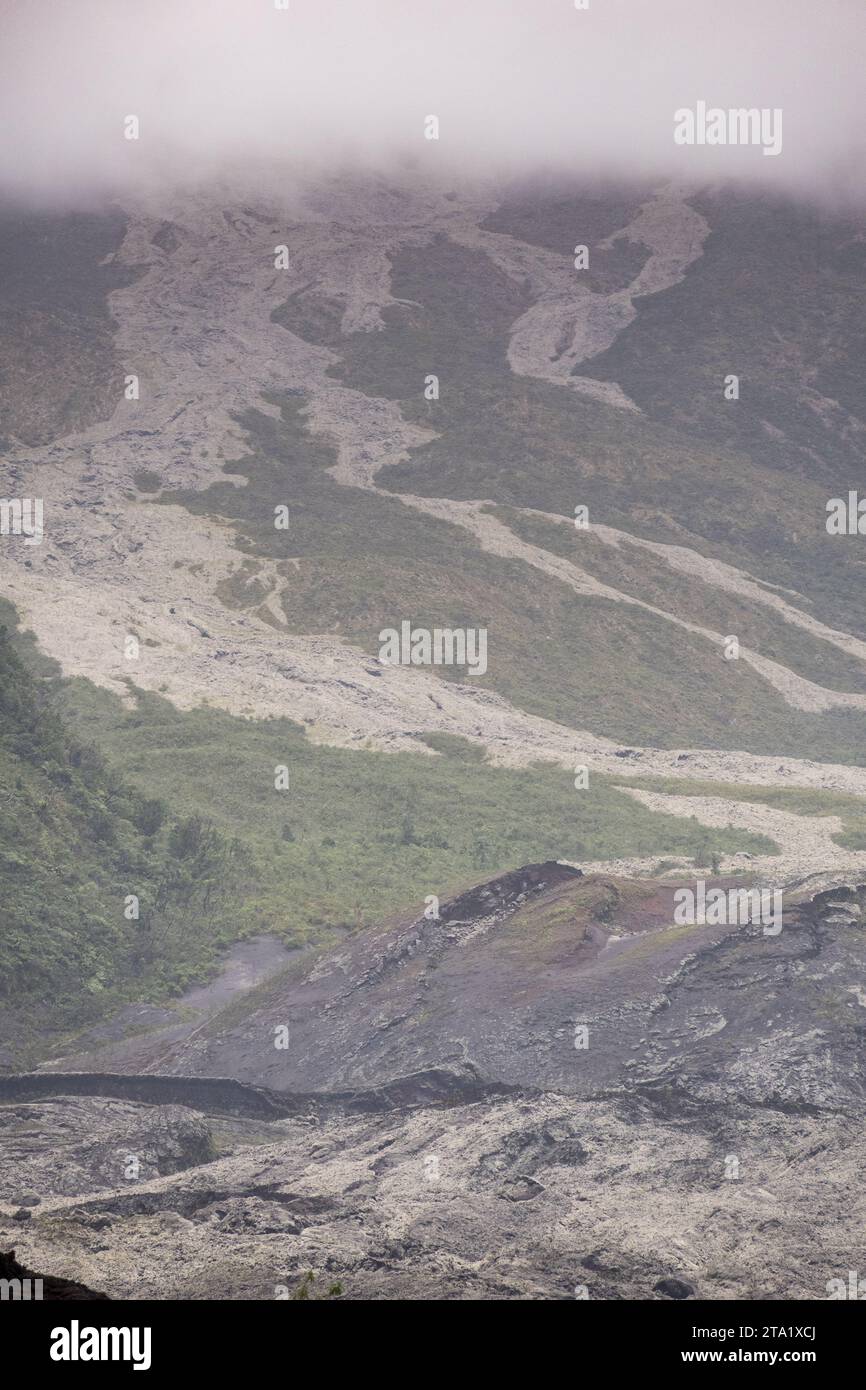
<point x="436" y="1086"/>
<point x="53" y="1289"/>
<point x="504" y="891"/>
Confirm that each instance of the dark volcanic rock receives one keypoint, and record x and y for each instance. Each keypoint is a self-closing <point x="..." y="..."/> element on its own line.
<point x="551" y="980"/>
<point x="674" y="1288"/>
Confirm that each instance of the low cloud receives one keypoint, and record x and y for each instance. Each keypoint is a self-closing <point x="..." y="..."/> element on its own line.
<point x="517" y="85"/>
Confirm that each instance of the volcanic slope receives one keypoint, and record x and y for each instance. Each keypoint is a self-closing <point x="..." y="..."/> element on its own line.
<point x="510" y="971"/>
<point x="703" y="1138"/>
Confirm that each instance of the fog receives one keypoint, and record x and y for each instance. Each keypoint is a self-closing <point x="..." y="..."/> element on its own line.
<point x="516" y="85"/>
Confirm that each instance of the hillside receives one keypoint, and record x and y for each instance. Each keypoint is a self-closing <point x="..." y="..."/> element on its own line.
<point x="77" y="843"/>
<point x="256" y="646"/>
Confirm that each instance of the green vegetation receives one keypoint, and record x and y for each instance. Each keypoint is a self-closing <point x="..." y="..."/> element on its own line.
<point x="181" y="810"/>
<point x="361" y="834"/>
<point x="776" y="277"/>
<point x="544" y="213"/>
<point x="305" y="1289"/>
<point x="76" y="840"/>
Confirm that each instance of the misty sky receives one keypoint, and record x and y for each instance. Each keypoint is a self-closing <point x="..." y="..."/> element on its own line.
<point x="517" y="85"/>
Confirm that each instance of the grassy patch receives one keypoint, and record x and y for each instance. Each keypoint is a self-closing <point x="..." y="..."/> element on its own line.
<point x="361" y="834"/>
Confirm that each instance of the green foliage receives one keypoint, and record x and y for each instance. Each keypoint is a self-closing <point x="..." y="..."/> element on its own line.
<point x="180" y="809"/>
<point x="76" y="841"/>
<point x="361" y="834"/>
<point x="306" y="1290"/>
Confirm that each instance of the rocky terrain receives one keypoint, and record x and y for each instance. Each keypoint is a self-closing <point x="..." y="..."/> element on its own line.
<point x="531" y="1196"/>
<point x="703" y="1137"/>
<point x="547" y="1090"/>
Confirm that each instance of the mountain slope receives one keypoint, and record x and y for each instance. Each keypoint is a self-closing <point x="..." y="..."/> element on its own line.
<point x="380" y="293"/>
<point x="257" y="646"/>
